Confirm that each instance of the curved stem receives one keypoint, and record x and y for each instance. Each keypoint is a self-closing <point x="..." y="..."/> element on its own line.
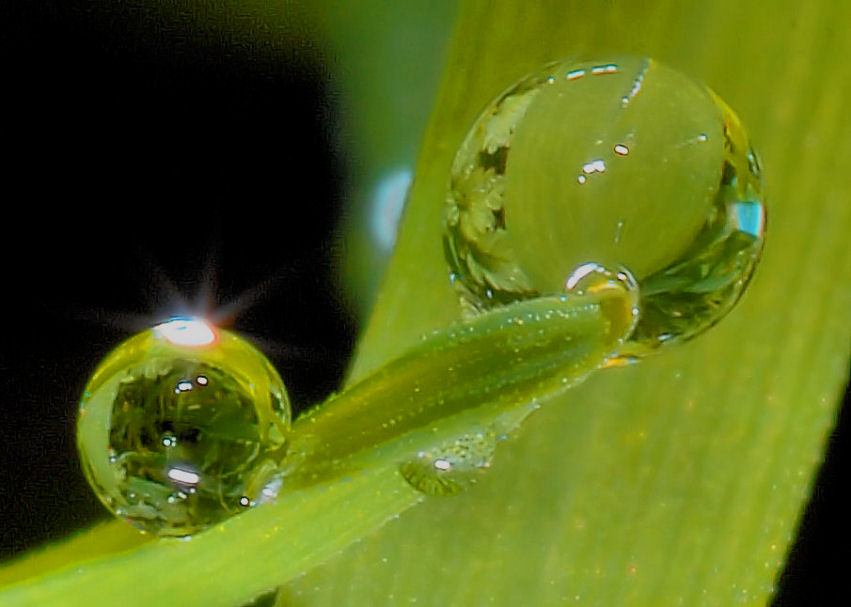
<point x="463" y="376"/>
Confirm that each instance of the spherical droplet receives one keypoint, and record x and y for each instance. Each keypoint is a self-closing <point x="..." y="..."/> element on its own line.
<point x="181" y="427"/>
<point x="620" y="163"/>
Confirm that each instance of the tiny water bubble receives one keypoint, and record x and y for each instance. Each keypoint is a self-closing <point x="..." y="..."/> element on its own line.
<point x="181" y="427"/>
<point x="624" y="163"/>
<point x="451" y="467"/>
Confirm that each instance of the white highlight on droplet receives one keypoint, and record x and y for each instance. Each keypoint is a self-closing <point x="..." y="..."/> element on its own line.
<point x="574" y="74"/>
<point x="611" y="68"/>
<point x="621" y="150"/>
<point x="183" y="386"/>
<point x="181" y="475"/>
<point x="580" y="273"/>
<point x="693" y="141"/>
<point x="636" y="85"/>
<point x="595" y="166"/>
<point x="442" y="464"/>
<point x="186" y="332"/>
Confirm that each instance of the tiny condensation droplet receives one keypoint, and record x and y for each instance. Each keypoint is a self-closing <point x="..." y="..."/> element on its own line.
<point x="694" y="191"/>
<point x="449" y="468"/>
<point x="172" y="459"/>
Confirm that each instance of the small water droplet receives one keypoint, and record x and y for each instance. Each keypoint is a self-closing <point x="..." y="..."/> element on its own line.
<point x="451" y="467"/>
<point x="177" y="430"/>
<point x="588" y="172"/>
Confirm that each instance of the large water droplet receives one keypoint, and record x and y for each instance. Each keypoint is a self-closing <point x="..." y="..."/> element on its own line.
<point x="182" y="426"/>
<point x="624" y="162"/>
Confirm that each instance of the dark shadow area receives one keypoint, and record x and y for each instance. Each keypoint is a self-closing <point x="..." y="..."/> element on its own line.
<point x="815" y="570"/>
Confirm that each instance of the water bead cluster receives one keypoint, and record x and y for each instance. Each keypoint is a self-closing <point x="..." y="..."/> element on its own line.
<point x="595" y="212"/>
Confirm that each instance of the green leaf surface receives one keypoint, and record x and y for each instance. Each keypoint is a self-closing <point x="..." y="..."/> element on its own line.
<point x="676" y="481"/>
<point x="679" y="480"/>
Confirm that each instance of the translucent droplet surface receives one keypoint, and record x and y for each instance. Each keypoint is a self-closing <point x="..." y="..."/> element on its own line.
<point x="450" y="468"/>
<point x="182" y="426"/>
<point x="620" y="163"/>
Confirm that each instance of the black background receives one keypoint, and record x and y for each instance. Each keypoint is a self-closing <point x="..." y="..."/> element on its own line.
<point x="148" y="159"/>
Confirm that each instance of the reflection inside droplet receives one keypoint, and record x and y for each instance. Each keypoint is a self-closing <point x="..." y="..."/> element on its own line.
<point x="172" y="436"/>
<point x="589" y="171"/>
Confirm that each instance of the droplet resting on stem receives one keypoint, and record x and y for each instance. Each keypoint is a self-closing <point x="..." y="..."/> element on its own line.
<point x="621" y="162"/>
<point x="182" y="426"/>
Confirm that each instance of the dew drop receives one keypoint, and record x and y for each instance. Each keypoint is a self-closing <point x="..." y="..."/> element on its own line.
<point x="451" y="467"/>
<point x="182" y="426"/>
<point x="625" y="163"/>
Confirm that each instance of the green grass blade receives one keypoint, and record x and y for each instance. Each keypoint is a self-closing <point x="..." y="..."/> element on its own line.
<point x="680" y="480"/>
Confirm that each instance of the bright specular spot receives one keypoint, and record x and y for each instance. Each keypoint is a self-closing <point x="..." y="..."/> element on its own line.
<point x="442" y="464"/>
<point x="595" y="166"/>
<point x="186" y="332"/>
<point x="611" y="68"/>
<point x="183" y="476"/>
<point x="183" y="386"/>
